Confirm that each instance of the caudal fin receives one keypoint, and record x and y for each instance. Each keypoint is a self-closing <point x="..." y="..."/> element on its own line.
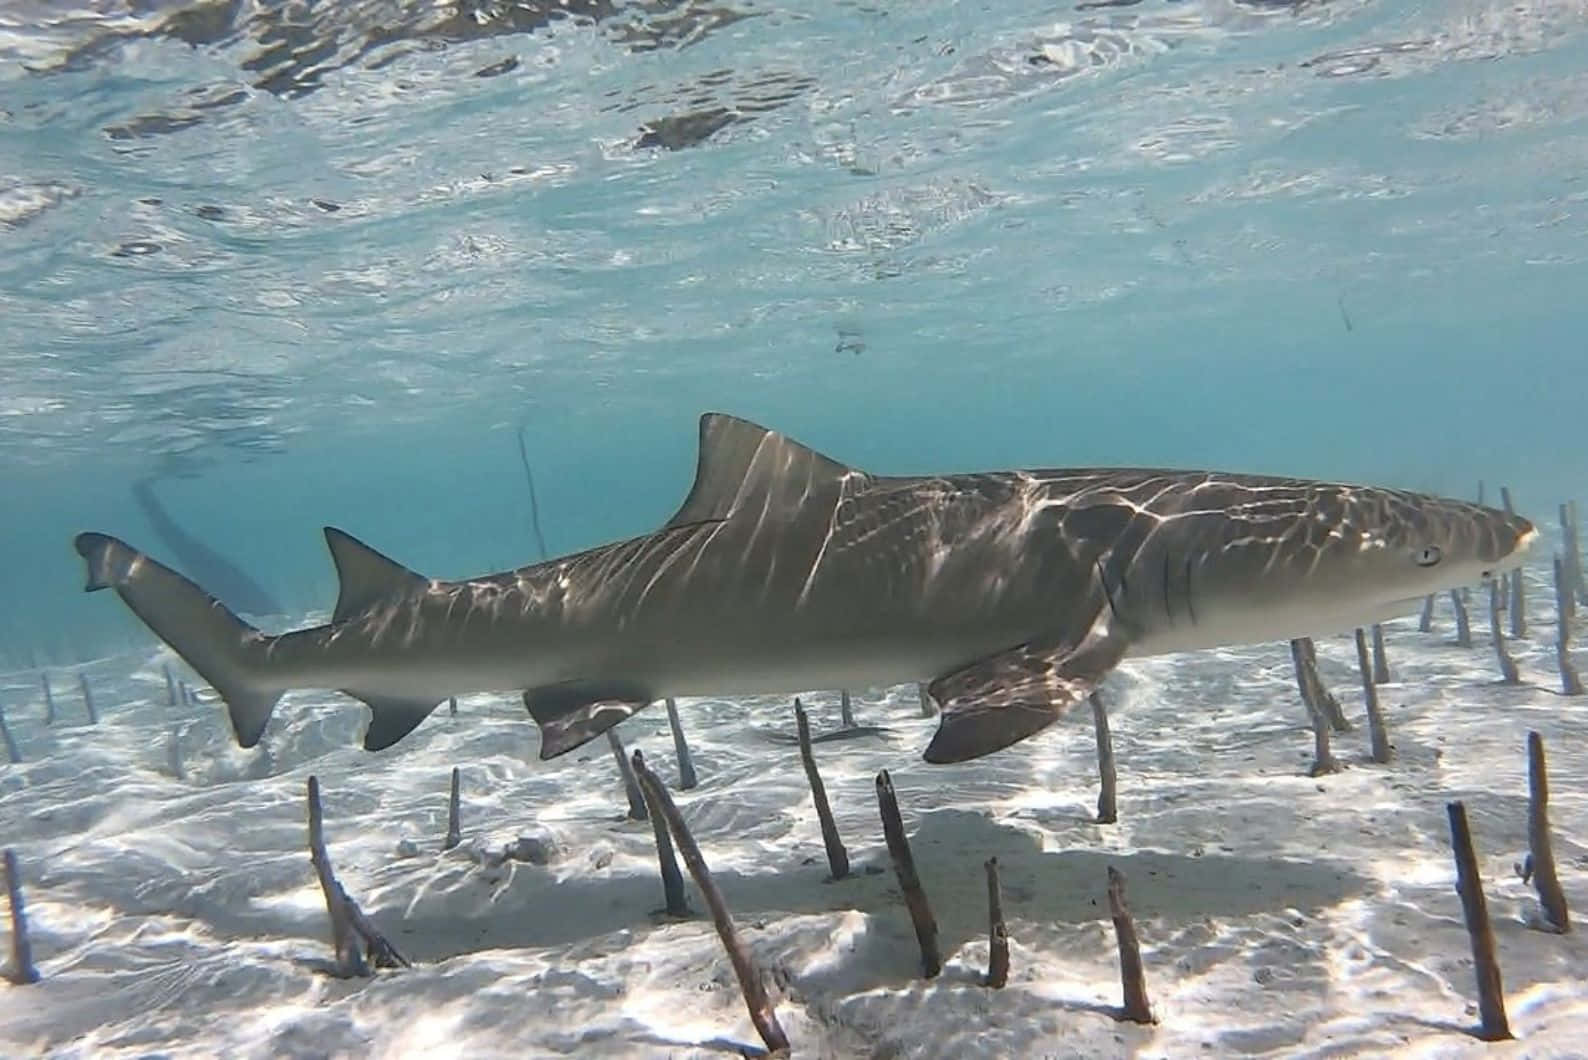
<point x="226" y="651"/>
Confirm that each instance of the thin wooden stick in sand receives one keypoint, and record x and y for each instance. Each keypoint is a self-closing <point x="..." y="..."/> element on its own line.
<point x="837" y="856"/>
<point x="170" y="686"/>
<point x="845" y="711"/>
<point x="1518" y="605"/>
<point x="672" y="879"/>
<point x="909" y="881"/>
<point x="12" y="753"/>
<point x="1564" y="572"/>
<point x="1378" y="735"/>
<point x="49" y="699"/>
<point x="534" y="503"/>
<point x="1107" y="792"/>
<point x="1570" y="682"/>
<point x="1518" y="601"/>
<point x="1570" y="539"/>
<point x="452" y="706"/>
<point x="1381" y="670"/>
<point x="454" y="798"/>
<point x="686" y="764"/>
<point x="1323" y="760"/>
<point x="1322" y="698"/>
<point x="349" y="925"/>
<point x="20" y="969"/>
<point x="1425" y="623"/>
<point x="1507" y="665"/>
<point x="1491" y="994"/>
<point x="1136" y="1007"/>
<point x="1540" y="855"/>
<point x="173" y="752"/>
<point x="637" y="811"/>
<point x="997" y="933"/>
<point x="88" y="699"/>
<point x="754" y="990"/>
<point x="1463" y="626"/>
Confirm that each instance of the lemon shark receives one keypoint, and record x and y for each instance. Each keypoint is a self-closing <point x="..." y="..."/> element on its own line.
<point x="1011" y="594"/>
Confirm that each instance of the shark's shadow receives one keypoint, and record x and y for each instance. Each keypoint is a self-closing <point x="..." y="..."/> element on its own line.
<point x="218" y="574"/>
<point x="1041" y="888"/>
<point x="447" y="905"/>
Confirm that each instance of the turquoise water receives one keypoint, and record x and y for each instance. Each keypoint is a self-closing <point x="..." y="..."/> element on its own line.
<point x="323" y="261"/>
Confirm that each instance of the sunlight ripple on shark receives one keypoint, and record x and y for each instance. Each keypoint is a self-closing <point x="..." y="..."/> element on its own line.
<point x="1014" y="593"/>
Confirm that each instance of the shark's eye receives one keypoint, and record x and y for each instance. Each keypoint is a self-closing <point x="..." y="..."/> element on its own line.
<point x="1428" y="555"/>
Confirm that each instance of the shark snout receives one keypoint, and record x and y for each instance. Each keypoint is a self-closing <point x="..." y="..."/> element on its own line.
<point x="1525" y="539"/>
<point x="1514" y="537"/>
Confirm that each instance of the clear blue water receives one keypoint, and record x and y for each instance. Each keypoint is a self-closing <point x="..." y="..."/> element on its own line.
<point x="323" y="260"/>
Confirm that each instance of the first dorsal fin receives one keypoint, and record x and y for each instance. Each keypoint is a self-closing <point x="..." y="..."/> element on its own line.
<point x="744" y="465"/>
<point x="365" y="575"/>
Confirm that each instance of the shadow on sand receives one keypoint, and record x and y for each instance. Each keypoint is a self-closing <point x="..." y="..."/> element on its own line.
<point x="1040" y="887"/>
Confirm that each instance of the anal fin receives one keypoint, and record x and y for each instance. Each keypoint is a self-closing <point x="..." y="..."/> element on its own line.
<point x="392" y="718"/>
<point x="1004" y="698"/>
<point x="574" y="713"/>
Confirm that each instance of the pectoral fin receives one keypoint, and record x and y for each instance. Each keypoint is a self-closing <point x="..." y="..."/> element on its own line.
<point x="572" y="714"/>
<point x="1002" y="699"/>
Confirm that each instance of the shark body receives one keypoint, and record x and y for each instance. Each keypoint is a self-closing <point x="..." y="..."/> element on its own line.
<point x="1013" y="594"/>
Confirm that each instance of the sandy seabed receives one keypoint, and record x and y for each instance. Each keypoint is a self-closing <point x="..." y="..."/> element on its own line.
<point x="174" y="911"/>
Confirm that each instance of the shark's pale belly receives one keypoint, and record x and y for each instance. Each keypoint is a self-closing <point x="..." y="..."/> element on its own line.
<point x="1263" y="626"/>
<point x="790" y="667"/>
<point x="926" y="660"/>
<point x="711" y="662"/>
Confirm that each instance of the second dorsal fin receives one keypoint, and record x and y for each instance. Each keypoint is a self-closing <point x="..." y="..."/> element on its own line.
<point x="365" y="575"/>
<point x="744" y="465"/>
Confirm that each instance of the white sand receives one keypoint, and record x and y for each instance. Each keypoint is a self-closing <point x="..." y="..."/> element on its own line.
<point x="1280" y="915"/>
